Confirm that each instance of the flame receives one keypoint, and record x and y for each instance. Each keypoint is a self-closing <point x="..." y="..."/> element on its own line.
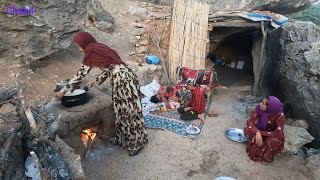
<point x="87" y="135"/>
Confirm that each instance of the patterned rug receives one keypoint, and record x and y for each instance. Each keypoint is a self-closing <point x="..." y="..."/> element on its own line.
<point x="171" y="121"/>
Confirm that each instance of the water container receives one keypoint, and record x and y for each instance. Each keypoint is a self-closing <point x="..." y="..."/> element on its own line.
<point x="153" y="60"/>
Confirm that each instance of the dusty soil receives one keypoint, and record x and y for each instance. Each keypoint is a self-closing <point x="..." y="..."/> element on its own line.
<point x="168" y="155"/>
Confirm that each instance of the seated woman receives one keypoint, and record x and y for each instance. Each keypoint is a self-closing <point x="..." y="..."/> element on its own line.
<point x="265" y="130"/>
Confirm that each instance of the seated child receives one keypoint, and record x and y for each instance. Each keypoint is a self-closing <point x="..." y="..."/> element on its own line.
<point x="169" y="95"/>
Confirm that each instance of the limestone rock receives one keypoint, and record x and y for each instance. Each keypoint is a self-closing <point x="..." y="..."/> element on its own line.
<point x="147" y="72"/>
<point x="293" y="71"/>
<point x="49" y="30"/>
<point x="133" y="40"/>
<point x="313" y="163"/>
<point x="141" y="49"/>
<point x="139" y="25"/>
<point x="137" y="11"/>
<point x="300" y="123"/>
<point x="289" y="121"/>
<point x="295" y="137"/>
<point x="144" y="42"/>
<point x="138" y="31"/>
<point x="279" y="6"/>
<point x="99" y="17"/>
<point x="250" y="109"/>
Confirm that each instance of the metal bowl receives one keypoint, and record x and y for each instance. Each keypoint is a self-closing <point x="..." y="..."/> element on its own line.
<point x="236" y="135"/>
<point x="192" y="130"/>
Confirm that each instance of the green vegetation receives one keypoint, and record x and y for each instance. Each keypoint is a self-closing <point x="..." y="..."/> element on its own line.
<point x="311" y="14"/>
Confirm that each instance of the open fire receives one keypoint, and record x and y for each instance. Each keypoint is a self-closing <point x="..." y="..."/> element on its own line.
<point x="87" y="136"/>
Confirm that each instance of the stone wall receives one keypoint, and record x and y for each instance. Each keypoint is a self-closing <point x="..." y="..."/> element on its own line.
<point x="293" y="71"/>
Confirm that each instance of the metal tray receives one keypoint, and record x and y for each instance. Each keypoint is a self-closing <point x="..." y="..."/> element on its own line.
<point x="224" y="178"/>
<point x="236" y="135"/>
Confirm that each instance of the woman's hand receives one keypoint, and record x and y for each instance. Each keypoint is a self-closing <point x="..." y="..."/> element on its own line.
<point x="187" y="109"/>
<point x="90" y="84"/>
<point x="259" y="140"/>
<point x="59" y="94"/>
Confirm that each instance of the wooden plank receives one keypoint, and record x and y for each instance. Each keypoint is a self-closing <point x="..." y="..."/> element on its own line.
<point x="235" y="24"/>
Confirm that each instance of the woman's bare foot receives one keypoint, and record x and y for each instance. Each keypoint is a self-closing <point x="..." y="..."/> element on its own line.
<point x="201" y="117"/>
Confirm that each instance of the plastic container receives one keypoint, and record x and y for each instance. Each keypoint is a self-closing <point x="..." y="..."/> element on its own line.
<point x="153" y="60"/>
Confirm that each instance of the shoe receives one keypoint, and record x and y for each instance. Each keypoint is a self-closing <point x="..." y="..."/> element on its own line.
<point x="134" y="152"/>
<point x="114" y="141"/>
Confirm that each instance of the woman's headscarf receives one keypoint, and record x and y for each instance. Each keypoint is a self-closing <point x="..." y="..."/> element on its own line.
<point x="274" y="106"/>
<point x="96" y="54"/>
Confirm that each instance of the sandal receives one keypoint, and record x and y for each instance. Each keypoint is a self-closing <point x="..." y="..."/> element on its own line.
<point x="134" y="152"/>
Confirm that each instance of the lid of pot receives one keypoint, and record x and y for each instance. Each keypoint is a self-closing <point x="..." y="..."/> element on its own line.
<point x="76" y="92"/>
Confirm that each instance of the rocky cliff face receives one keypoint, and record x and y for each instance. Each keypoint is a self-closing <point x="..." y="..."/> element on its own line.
<point x="48" y="30"/>
<point x="32" y="36"/>
<point x="279" y="6"/>
<point x="293" y="71"/>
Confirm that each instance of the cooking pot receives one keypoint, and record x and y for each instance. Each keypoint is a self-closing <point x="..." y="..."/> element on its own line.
<point x="75" y="98"/>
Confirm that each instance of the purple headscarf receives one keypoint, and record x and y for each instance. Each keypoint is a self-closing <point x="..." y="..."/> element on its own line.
<point x="274" y="107"/>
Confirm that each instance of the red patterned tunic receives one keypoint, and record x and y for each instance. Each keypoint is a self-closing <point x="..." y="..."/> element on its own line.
<point x="273" y="138"/>
<point x="198" y="102"/>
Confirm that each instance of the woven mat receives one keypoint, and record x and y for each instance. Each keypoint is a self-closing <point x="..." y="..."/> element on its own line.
<point x="170" y="120"/>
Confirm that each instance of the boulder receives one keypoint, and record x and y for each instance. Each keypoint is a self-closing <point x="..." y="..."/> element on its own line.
<point x="279" y="6"/>
<point x="289" y="121"/>
<point x="147" y="72"/>
<point x="99" y="17"/>
<point x="141" y="49"/>
<point x="300" y="123"/>
<point x="295" y="137"/>
<point x="313" y="163"/>
<point x="293" y="69"/>
<point x="139" y="12"/>
<point x="138" y="31"/>
<point x="47" y="31"/>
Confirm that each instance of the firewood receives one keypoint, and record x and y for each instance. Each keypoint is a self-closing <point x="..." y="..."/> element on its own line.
<point x="38" y="165"/>
<point x="7" y="94"/>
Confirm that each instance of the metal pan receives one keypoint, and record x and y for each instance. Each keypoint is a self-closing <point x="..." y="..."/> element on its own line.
<point x="236" y="135"/>
<point x="75" y="98"/>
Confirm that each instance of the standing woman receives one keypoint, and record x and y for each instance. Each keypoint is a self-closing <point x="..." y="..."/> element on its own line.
<point x="130" y="128"/>
<point x="265" y="130"/>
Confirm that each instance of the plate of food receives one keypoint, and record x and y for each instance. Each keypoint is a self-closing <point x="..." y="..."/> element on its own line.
<point x="236" y="135"/>
<point x="192" y="130"/>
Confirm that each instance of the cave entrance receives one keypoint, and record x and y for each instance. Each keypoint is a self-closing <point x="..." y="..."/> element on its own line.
<point x="231" y="53"/>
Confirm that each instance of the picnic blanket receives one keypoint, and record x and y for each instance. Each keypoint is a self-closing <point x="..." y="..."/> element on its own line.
<point x="170" y="120"/>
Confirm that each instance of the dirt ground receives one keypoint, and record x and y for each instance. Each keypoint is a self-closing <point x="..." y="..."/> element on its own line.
<point x="168" y="155"/>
